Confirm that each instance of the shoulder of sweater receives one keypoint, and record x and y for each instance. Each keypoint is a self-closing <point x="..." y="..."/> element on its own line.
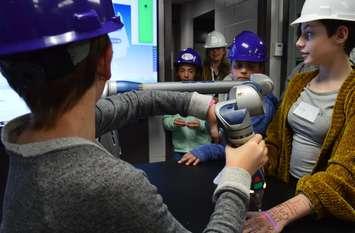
<point x="347" y="92"/>
<point x="301" y="79"/>
<point x="297" y="83"/>
<point x="348" y="86"/>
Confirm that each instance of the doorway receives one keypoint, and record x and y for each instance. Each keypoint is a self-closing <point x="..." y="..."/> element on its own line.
<point x="203" y="24"/>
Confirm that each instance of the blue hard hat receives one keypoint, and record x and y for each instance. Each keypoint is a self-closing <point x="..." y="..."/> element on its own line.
<point x="29" y="25"/>
<point x="188" y="56"/>
<point x="247" y="46"/>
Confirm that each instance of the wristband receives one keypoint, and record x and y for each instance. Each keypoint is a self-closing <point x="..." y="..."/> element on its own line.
<point x="268" y="217"/>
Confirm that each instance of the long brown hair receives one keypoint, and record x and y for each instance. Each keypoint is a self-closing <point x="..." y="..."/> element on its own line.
<point x="223" y="68"/>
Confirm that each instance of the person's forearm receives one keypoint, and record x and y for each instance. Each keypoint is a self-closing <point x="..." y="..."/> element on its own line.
<point x="209" y="152"/>
<point x="290" y="210"/>
<point x="231" y="196"/>
<point x="116" y="111"/>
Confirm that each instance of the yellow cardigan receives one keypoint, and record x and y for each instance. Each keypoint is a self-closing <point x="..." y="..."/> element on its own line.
<point x="331" y="186"/>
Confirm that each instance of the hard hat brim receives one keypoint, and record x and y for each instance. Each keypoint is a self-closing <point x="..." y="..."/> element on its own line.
<point x="309" y="18"/>
<point x="55" y="40"/>
<point x="212" y="47"/>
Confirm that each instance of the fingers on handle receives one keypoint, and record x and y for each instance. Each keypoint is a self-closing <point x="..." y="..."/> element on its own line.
<point x="262" y="143"/>
<point x="256" y="138"/>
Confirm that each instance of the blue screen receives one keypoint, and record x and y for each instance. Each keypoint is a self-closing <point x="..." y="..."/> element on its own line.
<point x="132" y="60"/>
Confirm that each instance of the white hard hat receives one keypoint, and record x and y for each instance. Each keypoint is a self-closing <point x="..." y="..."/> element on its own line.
<point x="215" y="40"/>
<point x="327" y="9"/>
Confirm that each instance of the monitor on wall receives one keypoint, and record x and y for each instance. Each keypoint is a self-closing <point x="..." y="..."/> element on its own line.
<point x="11" y="105"/>
<point x="135" y="53"/>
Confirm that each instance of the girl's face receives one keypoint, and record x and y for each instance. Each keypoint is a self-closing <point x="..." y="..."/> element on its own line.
<point x="314" y="44"/>
<point x="216" y="54"/>
<point x="241" y="70"/>
<point x="186" y="72"/>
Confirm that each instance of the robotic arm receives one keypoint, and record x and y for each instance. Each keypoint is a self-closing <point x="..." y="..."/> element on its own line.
<point x="264" y="83"/>
<point x="245" y="100"/>
<point x="234" y="115"/>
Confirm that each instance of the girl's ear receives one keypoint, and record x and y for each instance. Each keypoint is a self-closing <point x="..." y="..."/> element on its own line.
<point x="103" y="70"/>
<point x="342" y="34"/>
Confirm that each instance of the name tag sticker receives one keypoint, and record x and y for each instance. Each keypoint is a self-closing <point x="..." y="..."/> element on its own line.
<point x="306" y="111"/>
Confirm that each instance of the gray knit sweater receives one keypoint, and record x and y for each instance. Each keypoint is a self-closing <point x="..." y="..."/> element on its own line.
<point x="75" y="185"/>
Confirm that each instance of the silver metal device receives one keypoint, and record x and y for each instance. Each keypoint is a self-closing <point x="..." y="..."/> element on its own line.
<point x="234" y="115"/>
<point x="263" y="83"/>
<point x="245" y="100"/>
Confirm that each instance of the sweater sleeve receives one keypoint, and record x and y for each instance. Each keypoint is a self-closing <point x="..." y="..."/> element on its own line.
<point x="115" y="111"/>
<point x="143" y="210"/>
<point x="274" y="134"/>
<point x="232" y="198"/>
<point x="332" y="191"/>
<point x="208" y="152"/>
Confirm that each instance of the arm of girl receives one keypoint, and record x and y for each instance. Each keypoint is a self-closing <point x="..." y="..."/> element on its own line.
<point x="276" y="218"/>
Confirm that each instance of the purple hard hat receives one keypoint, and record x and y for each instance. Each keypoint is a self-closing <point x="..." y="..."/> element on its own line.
<point x="188" y="56"/>
<point x="29" y="25"/>
<point x="247" y="46"/>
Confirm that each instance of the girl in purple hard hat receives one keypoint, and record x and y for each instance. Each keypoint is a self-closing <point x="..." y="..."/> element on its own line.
<point x="187" y="132"/>
<point x="188" y="66"/>
<point x="56" y="55"/>
<point x="248" y="56"/>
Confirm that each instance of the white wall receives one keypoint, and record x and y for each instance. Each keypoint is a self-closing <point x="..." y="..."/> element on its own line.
<point x="234" y="16"/>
